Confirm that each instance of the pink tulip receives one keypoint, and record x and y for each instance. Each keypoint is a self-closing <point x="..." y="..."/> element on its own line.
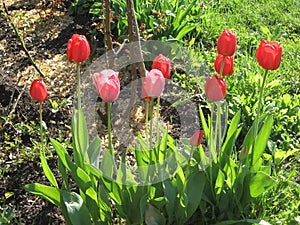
<point x="154" y="84"/>
<point x="215" y="88"/>
<point x="197" y="137"/>
<point x="107" y="84"/>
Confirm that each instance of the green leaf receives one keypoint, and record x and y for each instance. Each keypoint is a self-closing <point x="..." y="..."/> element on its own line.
<point x="76" y="209"/>
<point x="259" y="183"/>
<point x="47" y="171"/>
<point x="262" y="139"/>
<point x="232" y="134"/>
<point x="153" y="216"/>
<point x="107" y="165"/>
<point x="170" y="193"/>
<point x="51" y="194"/>
<point x="219" y="182"/>
<point x="204" y="124"/>
<point x="79" y="175"/>
<point x="93" y="152"/>
<point x="80" y="137"/>
<point x="194" y="189"/>
<point x="184" y="31"/>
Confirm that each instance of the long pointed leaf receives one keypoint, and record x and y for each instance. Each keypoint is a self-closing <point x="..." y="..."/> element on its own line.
<point x="51" y="194"/>
<point x="262" y="139"/>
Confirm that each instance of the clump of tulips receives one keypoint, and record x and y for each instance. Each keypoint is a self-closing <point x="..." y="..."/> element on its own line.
<point x="196" y="188"/>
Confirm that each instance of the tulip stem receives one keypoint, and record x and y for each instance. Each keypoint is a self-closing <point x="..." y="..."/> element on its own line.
<point x="110" y="146"/>
<point x="78" y="85"/>
<point x="41" y="125"/>
<point x="258" y="111"/>
<point x="157" y="117"/>
<point x="147" y="120"/>
<point x="151" y="124"/>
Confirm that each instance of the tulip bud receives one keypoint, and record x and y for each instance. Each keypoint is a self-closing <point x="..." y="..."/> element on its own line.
<point x="269" y="54"/>
<point x="163" y="64"/>
<point x="197" y="137"/>
<point x="78" y="49"/>
<point x="228" y="65"/>
<point x="154" y="84"/>
<point x="243" y="153"/>
<point x="215" y="88"/>
<point x="226" y="43"/>
<point x="38" y="91"/>
<point x="107" y="84"/>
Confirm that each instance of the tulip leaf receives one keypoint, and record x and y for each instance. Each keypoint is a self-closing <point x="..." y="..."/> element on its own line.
<point x="204" y="124"/>
<point x="47" y="171"/>
<point x="194" y="189"/>
<point x="259" y="183"/>
<point x="78" y="174"/>
<point x="51" y="194"/>
<point x="262" y="139"/>
<point x="93" y="152"/>
<point x="80" y="137"/>
<point x="232" y="134"/>
<point x="77" y="211"/>
<point x="153" y="216"/>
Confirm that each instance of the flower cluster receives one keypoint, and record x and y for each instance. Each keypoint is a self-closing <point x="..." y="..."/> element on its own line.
<point x="215" y="87"/>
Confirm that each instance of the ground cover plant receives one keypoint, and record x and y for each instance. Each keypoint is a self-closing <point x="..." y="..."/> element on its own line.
<point x="229" y="174"/>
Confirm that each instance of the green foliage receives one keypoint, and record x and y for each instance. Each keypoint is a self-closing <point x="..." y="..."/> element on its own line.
<point x="8" y="215"/>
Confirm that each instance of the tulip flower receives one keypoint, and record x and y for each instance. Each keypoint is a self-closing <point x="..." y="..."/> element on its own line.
<point x="154" y="84"/>
<point x="38" y="91"/>
<point x="269" y="54"/>
<point x="78" y="49"/>
<point x="163" y="64"/>
<point x="228" y="65"/>
<point x="215" y="88"/>
<point x="107" y="84"/>
<point x="226" y="44"/>
<point x="197" y="137"/>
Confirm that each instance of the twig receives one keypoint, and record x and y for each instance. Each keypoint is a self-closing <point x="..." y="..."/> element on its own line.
<point x="16" y="103"/>
<point x="7" y="16"/>
<point x="134" y="36"/>
<point x="107" y="34"/>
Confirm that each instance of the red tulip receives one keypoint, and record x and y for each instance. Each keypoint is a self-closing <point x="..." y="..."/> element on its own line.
<point x="269" y="54"/>
<point x="228" y="65"/>
<point x="197" y="137"/>
<point x="226" y="43"/>
<point x="107" y="84"/>
<point x="215" y="88"/>
<point x="38" y="90"/>
<point x="163" y="64"/>
<point x="154" y="84"/>
<point x="78" y="49"/>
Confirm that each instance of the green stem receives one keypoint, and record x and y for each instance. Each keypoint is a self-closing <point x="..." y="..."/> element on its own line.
<point x="256" y="121"/>
<point x="110" y="146"/>
<point x="147" y="120"/>
<point x="78" y="85"/>
<point x="41" y="126"/>
<point x="151" y="123"/>
<point x="218" y="128"/>
<point x="157" y="127"/>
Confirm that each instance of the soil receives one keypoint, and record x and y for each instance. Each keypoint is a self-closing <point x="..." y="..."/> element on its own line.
<point x="45" y="27"/>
